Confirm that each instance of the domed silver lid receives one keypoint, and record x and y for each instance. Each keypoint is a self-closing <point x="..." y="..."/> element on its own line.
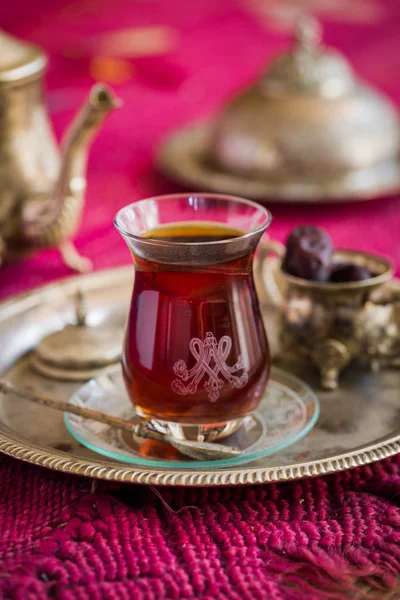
<point x="308" y="116"/>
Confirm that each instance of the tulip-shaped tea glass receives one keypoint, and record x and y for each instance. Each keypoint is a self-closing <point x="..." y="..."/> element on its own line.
<point x="196" y="358"/>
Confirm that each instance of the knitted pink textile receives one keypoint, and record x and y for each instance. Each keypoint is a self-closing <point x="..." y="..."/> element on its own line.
<point x="323" y="538"/>
<point x="62" y="537"/>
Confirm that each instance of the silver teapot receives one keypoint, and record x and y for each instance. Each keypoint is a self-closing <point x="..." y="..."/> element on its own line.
<point x="41" y="188"/>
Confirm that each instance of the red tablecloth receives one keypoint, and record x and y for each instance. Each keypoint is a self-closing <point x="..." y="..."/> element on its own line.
<point x="58" y="539"/>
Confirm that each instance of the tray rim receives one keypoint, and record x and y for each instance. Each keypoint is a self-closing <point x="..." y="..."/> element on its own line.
<point x="56" y="460"/>
<point x="189" y="173"/>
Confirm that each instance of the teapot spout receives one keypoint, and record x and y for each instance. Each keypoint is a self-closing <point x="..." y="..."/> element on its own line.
<point x="75" y="144"/>
<point x="61" y="218"/>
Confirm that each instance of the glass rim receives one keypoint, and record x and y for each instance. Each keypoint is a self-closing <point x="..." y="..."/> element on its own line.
<point x="164" y="197"/>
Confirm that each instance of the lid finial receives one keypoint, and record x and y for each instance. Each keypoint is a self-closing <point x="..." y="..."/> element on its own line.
<point x="307" y="32"/>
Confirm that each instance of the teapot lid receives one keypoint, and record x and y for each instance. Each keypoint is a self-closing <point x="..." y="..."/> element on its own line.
<point x="308" y="67"/>
<point x="19" y="60"/>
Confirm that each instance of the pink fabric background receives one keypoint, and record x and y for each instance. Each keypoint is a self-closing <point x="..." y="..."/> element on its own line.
<point x="220" y="47"/>
<point x="335" y="537"/>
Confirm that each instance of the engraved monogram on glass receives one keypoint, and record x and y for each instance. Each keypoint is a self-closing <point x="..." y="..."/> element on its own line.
<point x="210" y="366"/>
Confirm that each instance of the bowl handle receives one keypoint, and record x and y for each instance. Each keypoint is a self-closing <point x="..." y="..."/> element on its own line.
<point x="266" y="272"/>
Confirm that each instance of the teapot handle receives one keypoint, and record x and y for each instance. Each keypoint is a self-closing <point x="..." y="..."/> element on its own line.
<point x="265" y="271"/>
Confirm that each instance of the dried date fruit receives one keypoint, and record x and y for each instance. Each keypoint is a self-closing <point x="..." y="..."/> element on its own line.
<point x="308" y="253"/>
<point x="347" y="272"/>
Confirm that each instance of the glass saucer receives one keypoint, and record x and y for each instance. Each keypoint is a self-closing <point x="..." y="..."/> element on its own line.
<point x="288" y="411"/>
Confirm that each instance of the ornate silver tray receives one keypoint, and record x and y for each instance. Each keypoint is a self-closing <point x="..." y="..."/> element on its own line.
<point x="359" y="423"/>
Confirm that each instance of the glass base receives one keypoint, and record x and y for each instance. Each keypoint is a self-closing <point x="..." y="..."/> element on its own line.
<point x="198" y="433"/>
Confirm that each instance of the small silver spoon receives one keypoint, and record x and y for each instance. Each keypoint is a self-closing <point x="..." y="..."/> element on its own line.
<point x="196" y="450"/>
